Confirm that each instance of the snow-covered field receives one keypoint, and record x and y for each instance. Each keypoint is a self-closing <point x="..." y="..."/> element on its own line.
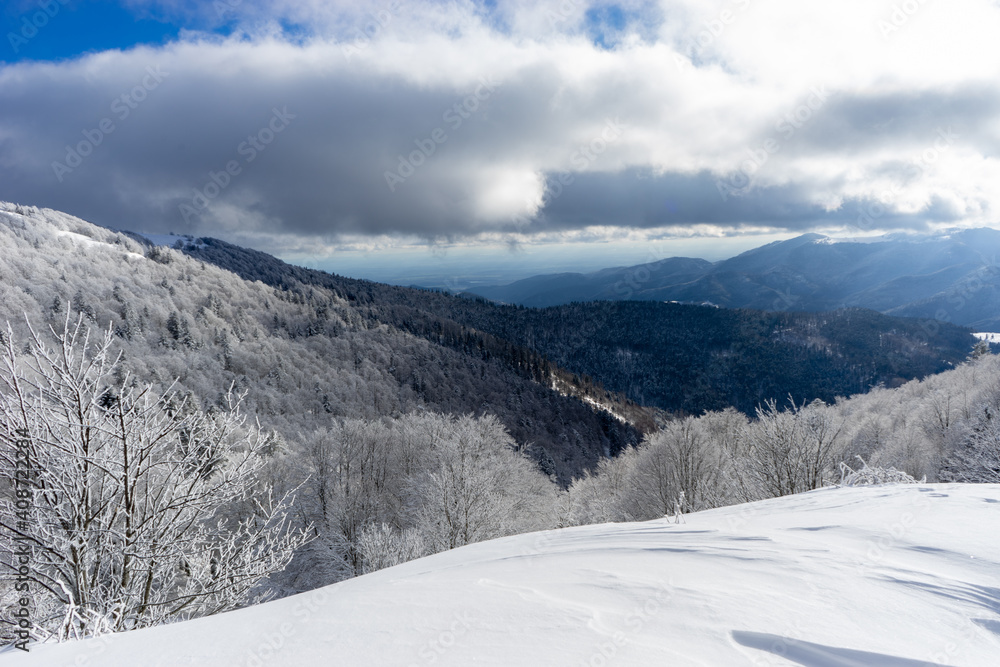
<point x="989" y="337"/>
<point x="891" y="576"/>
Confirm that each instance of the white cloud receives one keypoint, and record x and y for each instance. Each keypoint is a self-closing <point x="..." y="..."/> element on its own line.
<point x="696" y="104"/>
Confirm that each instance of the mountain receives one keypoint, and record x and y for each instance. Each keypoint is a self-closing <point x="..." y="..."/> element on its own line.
<point x="669" y="356"/>
<point x="901" y="575"/>
<point x="569" y="383"/>
<point x="952" y="277"/>
<point x="690" y="359"/>
<point x="305" y="355"/>
<point x="560" y="288"/>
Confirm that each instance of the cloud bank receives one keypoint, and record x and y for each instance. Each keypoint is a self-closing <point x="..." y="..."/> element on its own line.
<point x="310" y="124"/>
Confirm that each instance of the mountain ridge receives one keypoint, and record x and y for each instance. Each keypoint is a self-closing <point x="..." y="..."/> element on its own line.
<point x="953" y="277"/>
<point x="627" y="358"/>
<point x="702" y="358"/>
<point x="306" y="355"/>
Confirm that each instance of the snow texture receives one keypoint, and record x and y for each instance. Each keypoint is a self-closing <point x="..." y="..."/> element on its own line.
<point x="883" y="576"/>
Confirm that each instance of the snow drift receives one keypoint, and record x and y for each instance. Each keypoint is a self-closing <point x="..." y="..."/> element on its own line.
<point x="890" y="576"/>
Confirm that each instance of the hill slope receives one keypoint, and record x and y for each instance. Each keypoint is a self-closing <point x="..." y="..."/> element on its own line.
<point x="669" y="356"/>
<point x="954" y="277"/>
<point x="894" y="576"/>
<point x="305" y="354"/>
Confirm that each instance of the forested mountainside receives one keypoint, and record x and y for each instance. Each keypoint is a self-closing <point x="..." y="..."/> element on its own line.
<point x="309" y="346"/>
<point x="695" y="358"/>
<point x="672" y="356"/>
<point x="950" y="276"/>
<point x="304" y="353"/>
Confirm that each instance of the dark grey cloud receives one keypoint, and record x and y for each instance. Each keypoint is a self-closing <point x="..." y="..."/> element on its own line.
<point x="908" y="120"/>
<point x="325" y="172"/>
<point x="457" y="132"/>
<point x="641" y="199"/>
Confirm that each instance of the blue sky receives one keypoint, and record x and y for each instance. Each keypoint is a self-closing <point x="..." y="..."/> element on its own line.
<point x="539" y="130"/>
<point x="76" y="28"/>
<point x="61" y="29"/>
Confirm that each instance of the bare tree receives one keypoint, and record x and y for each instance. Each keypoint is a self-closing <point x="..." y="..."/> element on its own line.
<point x="977" y="458"/>
<point x="383" y="546"/>
<point x="479" y="488"/>
<point x="138" y="503"/>
<point x="695" y="463"/>
<point x="790" y="451"/>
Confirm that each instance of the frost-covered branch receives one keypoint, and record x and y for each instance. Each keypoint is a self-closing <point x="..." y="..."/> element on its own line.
<point x="143" y="509"/>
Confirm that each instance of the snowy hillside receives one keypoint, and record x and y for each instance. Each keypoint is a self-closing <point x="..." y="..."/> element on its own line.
<point x="885" y="576"/>
<point x="308" y="339"/>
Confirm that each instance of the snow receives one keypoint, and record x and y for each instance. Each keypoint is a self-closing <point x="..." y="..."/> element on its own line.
<point x="896" y="576"/>
<point x="601" y="406"/>
<point x="81" y="239"/>
<point x="988" y="337"/>
<point x="559" y="385"/>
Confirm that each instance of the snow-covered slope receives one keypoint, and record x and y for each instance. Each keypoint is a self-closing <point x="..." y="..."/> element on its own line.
<point x="888" y="576"/>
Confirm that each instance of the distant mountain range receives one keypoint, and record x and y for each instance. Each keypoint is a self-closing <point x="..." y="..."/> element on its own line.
<point x="952" y="277"/>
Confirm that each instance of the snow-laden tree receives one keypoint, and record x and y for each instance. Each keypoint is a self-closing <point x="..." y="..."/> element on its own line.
<point x="686" y="464"/>
<point x="382" y="546"/>
<point x="356" y="479"/>
<point x="142" y="509"/>
<point x="386" y="491"/>
<point x="790" y="451"/>
<point x="976" y="459"/>
<point x="681" y="468"/>
<point x="606" y="494"/>
<point x="478" y="487"/>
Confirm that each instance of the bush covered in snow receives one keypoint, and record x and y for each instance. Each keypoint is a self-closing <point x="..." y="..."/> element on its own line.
<point x="872" y="475"/>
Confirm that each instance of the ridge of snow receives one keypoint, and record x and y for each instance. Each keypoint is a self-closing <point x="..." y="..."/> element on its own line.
<point x="893" y="575"/>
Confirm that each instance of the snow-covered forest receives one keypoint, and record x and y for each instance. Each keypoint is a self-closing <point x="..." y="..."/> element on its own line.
<point x="346" y="447"/>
